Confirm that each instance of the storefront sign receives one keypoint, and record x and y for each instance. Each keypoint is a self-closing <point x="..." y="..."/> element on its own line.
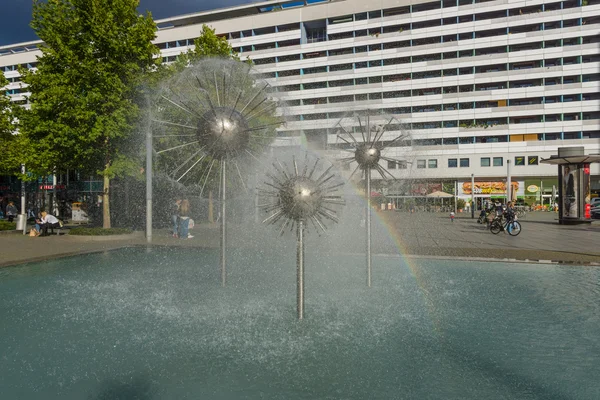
<point x="532" y="188"/>
<point x="50" y="187"/>
<point x="489" y="188"/>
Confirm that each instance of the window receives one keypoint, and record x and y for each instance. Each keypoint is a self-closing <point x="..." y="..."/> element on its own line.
<point x="464" y="162"/>
<point x="391" y="164"/>
<point x="532" y="160"/>
<point x="402" y="164"/>
<point x="498" y="161"/>
<point x="421" y="164"/>
<point x="452" y="163"/>
<point x="432" y="164"/>
<point x="485" y="161"/>
<point x="520" y="160"/>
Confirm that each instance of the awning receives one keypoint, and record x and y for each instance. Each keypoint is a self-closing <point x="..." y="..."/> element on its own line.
<point x="556" y="160"/>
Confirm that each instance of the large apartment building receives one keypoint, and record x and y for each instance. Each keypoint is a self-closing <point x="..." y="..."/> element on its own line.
<point x="477" y="84"/>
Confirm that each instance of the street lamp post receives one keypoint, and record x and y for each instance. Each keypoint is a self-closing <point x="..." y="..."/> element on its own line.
<point x="472" y="196"/>
<point x="508" y="182"/>
<point x="149" y="182"/>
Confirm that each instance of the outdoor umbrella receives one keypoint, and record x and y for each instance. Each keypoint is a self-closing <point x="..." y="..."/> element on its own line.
<point x="439" y="194"/>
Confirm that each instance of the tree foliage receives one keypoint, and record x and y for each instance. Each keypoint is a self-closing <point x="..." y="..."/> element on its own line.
<point x="86" y="90"/>
<point x="208" y="44"/>
<point x="8" y="161"/>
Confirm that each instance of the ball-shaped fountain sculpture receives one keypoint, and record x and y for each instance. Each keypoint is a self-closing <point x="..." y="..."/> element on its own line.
<point x="214" y="112"/>
<point x="299" y="198"/>
<point x="367" y="156"/>
<point x="224" y="131"/>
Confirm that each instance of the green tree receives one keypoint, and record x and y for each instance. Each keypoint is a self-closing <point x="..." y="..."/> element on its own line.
<point x="8" y="162"/>
<point x="208" y="44"/>
<point x="88" y="87"/>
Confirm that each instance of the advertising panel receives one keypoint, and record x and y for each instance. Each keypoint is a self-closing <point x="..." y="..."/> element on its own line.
<point x="587" y="192"/>
<point x="490" y="188"/>
<point x="570" y="191"/>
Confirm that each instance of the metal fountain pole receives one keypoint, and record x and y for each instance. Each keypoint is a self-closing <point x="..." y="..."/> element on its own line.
<point x="368" y="174"/>
<point x="223" y="224"/>
<point x="23" y="210"/>
<point x="368" y="179"/>
<point x="300" y="269"/>
<point x="149" y="182"/>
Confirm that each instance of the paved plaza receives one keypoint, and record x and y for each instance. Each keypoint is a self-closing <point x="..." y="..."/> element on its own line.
<point x="419" y="234"/>
<point x="541" y="238"/>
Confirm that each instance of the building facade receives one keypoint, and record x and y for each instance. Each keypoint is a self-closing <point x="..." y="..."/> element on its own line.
<point x="477" y="84"/>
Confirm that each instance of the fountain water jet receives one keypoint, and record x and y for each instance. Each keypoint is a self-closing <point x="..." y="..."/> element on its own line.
<point x="298" y="198"/>
<point x="224" y="113"/>
<point x="367" y="153"/>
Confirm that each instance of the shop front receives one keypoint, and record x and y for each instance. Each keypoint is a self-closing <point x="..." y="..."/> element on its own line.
<point x="489" y="191"/>
<point x="541" y="194"/>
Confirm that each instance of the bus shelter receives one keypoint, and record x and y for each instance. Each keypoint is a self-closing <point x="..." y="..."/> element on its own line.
<point x="573" y="184"/>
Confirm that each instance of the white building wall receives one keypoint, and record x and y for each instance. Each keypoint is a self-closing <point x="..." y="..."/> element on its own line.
<point x="306" y="117"/>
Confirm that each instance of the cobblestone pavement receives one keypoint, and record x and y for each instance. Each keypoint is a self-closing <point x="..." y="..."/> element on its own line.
<point x="423" y="234"/>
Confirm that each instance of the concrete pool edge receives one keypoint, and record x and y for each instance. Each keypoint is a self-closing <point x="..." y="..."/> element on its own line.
<point x="507" y="259"/>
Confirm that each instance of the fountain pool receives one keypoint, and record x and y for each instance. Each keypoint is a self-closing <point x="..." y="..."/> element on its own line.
<point x="156" y="324"/>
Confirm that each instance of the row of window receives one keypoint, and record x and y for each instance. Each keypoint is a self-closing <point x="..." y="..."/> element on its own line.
<point x="453" y="106"/>
<point x="411" y="9"/>
<point x="482" y="123"/>
<point x="464" y="162"/>
<point x="549" y="80"/>
<point x="466" y="70"/>
<point x="567" y="41"/>
<point x="440" y="40"/>
<point x="453" y="141"/>
<point x="316" y="31"/>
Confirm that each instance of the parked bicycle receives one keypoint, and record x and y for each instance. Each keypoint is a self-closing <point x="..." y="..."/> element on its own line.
<point x="499" y="224"/>
<point x="521" y="212"/>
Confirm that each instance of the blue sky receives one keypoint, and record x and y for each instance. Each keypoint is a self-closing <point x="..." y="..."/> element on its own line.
<point x="16" y="14"/>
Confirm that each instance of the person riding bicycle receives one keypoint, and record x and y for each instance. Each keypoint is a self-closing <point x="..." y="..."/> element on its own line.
<point x="509" y="214"/>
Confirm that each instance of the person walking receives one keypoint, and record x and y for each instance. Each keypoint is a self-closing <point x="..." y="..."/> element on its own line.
<point x="11" y="211"/>
<point x="184" y="220"/>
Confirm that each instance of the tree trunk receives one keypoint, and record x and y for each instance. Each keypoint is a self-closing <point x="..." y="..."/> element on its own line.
<point x="105" y="202"/>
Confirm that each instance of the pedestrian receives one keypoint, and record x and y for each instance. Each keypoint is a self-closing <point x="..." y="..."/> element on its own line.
<point x="47" y="221"/>
<point x="175" y="217"/>
<point x="11" y="211"/>
<point x="452" y="216"/>
<point x="510" y="215"/>
<point x="184" y="220"/>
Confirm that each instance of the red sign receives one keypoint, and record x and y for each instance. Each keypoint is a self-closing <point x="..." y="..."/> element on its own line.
<point x="50" y="187"/>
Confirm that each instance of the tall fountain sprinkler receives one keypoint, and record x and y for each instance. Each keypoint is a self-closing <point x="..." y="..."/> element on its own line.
<point x="297" y="197"/>
<point x="367" y="151"/>
<point x="212" y="116"/>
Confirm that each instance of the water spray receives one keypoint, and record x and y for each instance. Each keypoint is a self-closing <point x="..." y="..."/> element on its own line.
<point x="297" y="197"/>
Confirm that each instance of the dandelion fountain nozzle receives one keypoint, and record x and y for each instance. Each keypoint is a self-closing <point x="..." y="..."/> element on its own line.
<point x="223" y="112"/>
<point x="297" y="197"/>
<point x="367" y="153"/>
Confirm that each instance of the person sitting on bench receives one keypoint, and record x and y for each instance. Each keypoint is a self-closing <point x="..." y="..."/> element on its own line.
<point x="48" y="221"/>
